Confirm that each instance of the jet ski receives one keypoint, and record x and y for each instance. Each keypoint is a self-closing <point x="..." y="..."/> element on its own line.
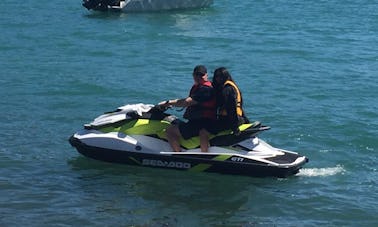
<point x="144" y="5"/>
<point x="135" y="134"/>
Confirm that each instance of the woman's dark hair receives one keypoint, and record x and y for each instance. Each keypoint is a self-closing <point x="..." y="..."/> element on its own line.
<point x="221" y="75"/>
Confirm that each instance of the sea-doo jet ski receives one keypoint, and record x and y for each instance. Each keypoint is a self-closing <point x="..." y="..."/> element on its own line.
<point x="144" y="5"/>
<point x="135" y="134"/>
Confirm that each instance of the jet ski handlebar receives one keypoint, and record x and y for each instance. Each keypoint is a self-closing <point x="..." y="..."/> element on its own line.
<point x="159" y="108"/>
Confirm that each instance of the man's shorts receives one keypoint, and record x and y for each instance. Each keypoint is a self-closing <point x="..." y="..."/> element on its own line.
<point x="192" y="127"/>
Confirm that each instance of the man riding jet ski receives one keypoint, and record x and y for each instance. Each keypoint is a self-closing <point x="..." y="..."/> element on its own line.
<point x="135" y="135"/>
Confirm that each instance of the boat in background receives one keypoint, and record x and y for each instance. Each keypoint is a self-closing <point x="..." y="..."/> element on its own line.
<point x="144" y="5"/>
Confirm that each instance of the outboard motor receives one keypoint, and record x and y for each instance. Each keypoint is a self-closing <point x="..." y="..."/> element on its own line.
<point x="100" y="5"/>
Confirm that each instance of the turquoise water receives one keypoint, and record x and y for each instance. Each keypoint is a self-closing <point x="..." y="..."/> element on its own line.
<point x="308" y="69"/>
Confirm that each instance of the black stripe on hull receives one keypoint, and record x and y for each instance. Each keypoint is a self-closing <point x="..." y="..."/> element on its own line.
<point x="178" y="162"/>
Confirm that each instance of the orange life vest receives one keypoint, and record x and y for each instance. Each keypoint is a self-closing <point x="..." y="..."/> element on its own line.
<point x="239" y="110"/>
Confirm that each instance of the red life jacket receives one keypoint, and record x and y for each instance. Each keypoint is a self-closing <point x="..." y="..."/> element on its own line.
<point x="202" y="109"/>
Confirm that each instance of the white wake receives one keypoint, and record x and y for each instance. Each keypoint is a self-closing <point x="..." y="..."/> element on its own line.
<point x="316" y="172"/>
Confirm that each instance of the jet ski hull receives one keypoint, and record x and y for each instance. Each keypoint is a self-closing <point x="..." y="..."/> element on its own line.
<point x="136" y="135"/>
<point x="195" y="161"/>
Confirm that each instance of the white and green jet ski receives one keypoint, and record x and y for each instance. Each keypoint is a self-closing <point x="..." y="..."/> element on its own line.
<point x="135" y="134"/>
<point x="144" y="5"/>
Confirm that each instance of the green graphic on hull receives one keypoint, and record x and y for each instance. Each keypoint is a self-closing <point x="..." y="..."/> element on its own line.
<point x="203" y="167"/>
<point x="136" y="161"/>
<point x="200" y="167"/>
<point x="222" y="157"/>
<point x="156" y="127"/>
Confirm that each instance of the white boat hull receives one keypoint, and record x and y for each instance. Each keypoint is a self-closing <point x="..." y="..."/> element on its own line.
<point x="145" y="5"/>
<point x="155" y="5"/>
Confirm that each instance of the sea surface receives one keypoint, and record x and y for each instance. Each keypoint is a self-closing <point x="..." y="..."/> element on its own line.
<point x="308" y="69"/>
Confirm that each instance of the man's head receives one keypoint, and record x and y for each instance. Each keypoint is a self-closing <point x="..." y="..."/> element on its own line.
<point x="200" y="73"/>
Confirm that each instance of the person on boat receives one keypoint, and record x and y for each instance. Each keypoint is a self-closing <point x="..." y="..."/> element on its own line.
<point x="229" y="102"/>
<point x="200" y="112"/>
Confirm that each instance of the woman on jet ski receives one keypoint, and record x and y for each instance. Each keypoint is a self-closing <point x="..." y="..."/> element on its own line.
<point x="200" y="112"/>
<point x="229" y="101"/>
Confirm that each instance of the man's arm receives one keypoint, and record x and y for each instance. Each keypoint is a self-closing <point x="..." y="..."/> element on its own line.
<point x="185" y="102"/>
